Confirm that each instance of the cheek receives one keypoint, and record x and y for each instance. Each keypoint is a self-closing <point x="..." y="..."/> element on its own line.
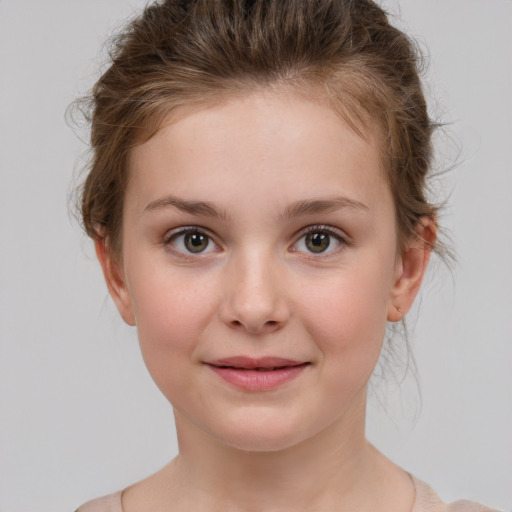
<point x="348" y="321"/>
<point x="171" y="312"/>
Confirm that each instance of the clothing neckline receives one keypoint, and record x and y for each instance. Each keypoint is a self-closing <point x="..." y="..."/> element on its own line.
<point x="425" y="498"/>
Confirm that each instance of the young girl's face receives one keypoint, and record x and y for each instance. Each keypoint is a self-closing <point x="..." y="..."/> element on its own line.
<point x="260" y="233"/>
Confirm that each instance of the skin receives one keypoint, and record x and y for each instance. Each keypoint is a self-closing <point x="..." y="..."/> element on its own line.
<point x="259" y="290"/>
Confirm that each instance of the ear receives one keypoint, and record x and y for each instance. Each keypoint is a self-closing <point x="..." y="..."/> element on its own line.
<point x="114" y="278"/>
<point x="411" y="269"/>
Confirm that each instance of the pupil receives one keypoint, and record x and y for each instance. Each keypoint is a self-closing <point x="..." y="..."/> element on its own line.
<point x="317" y="242"/>
<point x="196" y="242"/>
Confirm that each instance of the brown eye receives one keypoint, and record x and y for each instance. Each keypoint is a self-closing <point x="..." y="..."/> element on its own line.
<point x="196" y="242"/>
<point x="318" y="242"/>
<point x="191" y="241"/>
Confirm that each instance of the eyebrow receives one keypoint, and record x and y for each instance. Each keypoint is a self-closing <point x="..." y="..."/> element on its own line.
<point x="297" y="209"/>
<point x="309" y="207"/>
<point x="203" y="208"/>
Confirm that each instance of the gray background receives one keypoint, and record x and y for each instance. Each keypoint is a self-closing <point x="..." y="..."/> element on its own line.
<point x="80" y="417"/>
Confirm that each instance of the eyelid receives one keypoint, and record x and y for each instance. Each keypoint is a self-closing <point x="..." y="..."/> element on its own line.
<point x="173" y="234"/>
<point x="327" y="228"/>
<point x="337" y="233"/>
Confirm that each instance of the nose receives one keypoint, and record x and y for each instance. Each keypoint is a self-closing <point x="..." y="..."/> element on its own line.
<point x="254" y="296"/>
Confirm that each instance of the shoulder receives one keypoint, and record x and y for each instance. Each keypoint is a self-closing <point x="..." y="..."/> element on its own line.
<point x="110" y="503"/>
<point x="428" y="501"/>
<point x="468" y="506"/>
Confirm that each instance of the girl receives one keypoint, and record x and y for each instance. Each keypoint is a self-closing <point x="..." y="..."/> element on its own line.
<point x="257" y="201"/>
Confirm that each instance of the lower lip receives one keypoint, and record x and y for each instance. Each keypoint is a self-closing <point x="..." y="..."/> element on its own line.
<point x="258" y="380"/>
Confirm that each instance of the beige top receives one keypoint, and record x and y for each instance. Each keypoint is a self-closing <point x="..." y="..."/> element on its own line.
<point x="426" y="501"/>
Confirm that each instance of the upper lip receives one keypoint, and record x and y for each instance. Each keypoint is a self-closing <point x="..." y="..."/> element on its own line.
<point x="249" y="363"/>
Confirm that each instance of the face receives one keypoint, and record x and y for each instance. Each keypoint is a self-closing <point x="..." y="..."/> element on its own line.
<point x="259" y="265"/>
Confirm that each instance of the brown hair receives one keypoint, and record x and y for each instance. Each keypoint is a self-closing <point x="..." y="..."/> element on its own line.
<point x="180" y="52"/>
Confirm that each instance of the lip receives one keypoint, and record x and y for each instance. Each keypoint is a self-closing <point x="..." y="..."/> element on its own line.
<point x="259" y="374"/>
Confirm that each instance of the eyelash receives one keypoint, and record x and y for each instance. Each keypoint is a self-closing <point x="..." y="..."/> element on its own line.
<point x="340" y="238"/>
<point x="174" y="235"/>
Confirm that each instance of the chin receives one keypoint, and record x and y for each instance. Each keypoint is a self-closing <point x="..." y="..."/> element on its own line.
<point x="260" y="443"/>
<point x="257" y="434"/>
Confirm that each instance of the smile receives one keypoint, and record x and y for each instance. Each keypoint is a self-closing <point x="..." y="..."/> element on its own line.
<point x="262" y="374"/>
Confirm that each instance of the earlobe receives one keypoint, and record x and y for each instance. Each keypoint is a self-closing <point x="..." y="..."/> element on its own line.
<point x="115" y="281"/>
<point x="411" y="270"/>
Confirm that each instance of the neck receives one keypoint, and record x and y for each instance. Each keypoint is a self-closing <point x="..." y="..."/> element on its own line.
<point x="335" y="470"/>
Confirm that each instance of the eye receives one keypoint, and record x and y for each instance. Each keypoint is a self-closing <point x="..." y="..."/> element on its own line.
<point x="319" y="240"/>
<point x="191" y="241"/>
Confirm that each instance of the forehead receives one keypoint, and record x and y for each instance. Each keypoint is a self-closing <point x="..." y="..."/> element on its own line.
<point x="257" y="143"/>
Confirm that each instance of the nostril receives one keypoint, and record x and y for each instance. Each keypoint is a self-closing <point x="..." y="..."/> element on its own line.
<point x="270" y="324"/>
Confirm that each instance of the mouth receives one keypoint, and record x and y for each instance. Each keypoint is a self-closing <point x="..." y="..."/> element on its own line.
<point x="261" y="374"/>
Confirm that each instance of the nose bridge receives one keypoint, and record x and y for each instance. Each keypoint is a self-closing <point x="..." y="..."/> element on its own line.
<point x="254" y="298"/>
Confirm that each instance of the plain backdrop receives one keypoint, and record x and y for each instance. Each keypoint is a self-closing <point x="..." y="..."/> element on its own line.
<point x="80" y="417"/>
